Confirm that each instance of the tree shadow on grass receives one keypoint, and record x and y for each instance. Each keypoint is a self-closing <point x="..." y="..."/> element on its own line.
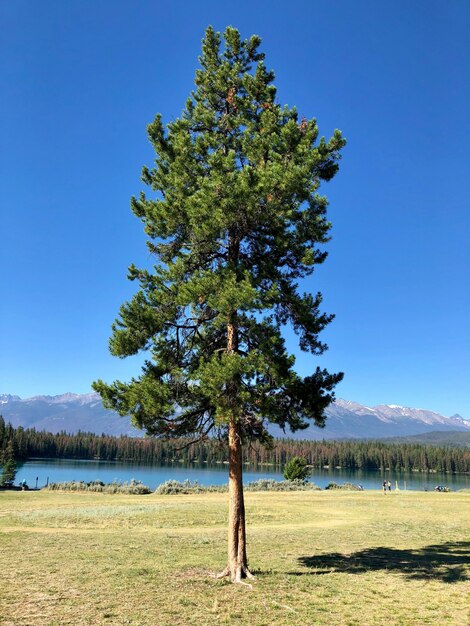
<point x="445" y="562"/>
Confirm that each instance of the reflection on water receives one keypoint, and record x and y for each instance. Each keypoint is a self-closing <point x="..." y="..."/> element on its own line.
<point x="66" y="470"/>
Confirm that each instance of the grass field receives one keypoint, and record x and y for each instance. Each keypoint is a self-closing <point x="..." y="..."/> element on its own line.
<point x="321" y="558"/>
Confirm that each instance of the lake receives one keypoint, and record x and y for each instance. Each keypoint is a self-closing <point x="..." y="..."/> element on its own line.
<point x="62" y="470"/>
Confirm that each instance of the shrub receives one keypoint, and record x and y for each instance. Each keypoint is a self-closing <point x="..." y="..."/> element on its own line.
<point x="346" y="486"/>
<point x="134" y="487"/>
<point x="171" y="487"/>
<point x="268" y="484"/>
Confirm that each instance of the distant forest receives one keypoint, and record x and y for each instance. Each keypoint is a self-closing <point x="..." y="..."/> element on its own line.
<point x="366" y="455"/>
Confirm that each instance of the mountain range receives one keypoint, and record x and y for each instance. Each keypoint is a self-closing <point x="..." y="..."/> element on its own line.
<point x="72" y="412"/>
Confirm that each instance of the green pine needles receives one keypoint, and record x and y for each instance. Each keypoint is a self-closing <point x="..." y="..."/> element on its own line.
<point x="7" y="464"/>
<point x="234" y="220"/>
<point x="297" y="469"/>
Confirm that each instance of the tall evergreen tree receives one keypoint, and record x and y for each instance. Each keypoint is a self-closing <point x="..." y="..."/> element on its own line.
<point x="8" y="465"/>
<point x="234" y="223"/>
<point x="2" y="431"/>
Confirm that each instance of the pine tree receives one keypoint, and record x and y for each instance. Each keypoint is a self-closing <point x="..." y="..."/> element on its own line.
<point x="8" y="463"/>
<point x="234" y="223"/>
<point x="2" y="432"/>
<point x="297" y="469"/>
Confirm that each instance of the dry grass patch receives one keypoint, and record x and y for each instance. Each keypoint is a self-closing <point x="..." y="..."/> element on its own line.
<point x="323" y="558"/>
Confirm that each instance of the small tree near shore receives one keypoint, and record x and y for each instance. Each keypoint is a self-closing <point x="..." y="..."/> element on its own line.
<point x="297" y="469"/>
<point x="235" y="222"/>
<point x="8" y="463"/>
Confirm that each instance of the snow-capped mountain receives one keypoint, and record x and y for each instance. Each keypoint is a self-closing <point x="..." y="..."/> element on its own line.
<point x="4" y="398"/>
<point x="351" y="420"/>
<point x="71" y="412"/>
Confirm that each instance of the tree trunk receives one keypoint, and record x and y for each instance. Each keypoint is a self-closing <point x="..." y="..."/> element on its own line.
<point x="237" y="561"/>
<point x="237" y="567"/>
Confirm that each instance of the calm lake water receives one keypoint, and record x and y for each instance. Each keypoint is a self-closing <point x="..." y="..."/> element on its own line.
<point x="61" y="470"/>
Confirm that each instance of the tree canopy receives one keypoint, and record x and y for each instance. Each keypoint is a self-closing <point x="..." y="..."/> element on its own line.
<point x="234" y="223"/>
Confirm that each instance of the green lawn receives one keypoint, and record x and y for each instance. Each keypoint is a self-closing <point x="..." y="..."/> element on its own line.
<point x="321" y="558"/>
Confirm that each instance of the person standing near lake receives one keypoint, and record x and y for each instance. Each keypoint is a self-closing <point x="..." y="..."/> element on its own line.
<point x="384" y="486"/>
<point x="389" y="485"/>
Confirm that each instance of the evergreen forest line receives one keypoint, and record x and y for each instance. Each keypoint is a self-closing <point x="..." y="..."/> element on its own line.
<point x="354" y="455"/>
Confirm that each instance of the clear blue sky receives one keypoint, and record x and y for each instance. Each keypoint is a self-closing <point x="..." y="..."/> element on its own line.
<point x="81" y="79"/>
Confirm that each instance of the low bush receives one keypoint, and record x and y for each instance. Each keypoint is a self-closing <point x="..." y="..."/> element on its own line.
<point x="268" y="484"/>
<point x="171" y="487"/>
<point x="133" y="487"/>
<point x="346" y="486"/>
